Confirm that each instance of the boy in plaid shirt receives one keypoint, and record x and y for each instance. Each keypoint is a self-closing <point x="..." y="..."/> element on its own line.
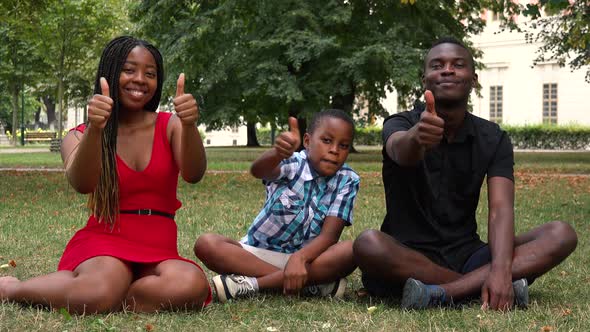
<point x="292" y="245"/>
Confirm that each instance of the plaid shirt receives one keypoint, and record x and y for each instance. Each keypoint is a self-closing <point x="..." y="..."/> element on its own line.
<point x="297" y="203"/>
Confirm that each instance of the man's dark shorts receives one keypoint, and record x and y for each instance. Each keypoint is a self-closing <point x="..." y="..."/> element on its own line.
<point x="477" y="259"/>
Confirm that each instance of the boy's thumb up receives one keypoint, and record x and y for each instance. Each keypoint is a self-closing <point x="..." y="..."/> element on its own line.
<point x="104" y="87"/>
<point x="293" y="126"/>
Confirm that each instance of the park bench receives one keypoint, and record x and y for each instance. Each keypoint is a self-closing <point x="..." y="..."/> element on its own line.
<point x="55" y="145"/>
<point x="39" y="137"/>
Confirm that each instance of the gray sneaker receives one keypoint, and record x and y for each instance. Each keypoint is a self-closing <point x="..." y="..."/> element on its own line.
<point x="232" y="286"/>
<point x="521" y="293"/>
<point x="417" y="295"/>
<point x="334" y="289"/>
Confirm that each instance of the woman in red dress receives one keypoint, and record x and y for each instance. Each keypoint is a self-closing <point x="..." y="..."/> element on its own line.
<point x="127" y="158"/>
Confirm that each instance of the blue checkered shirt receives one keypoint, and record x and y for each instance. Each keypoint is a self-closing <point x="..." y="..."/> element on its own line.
<point x="297" y="203"/>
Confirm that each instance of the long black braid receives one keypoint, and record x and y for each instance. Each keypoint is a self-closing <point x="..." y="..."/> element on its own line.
<point x="104" y="201"/>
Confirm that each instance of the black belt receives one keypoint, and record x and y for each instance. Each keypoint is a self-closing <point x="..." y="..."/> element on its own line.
<point x="148" y="212"/>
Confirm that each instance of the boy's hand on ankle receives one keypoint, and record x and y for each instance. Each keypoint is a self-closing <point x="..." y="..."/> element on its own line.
<point x="295" y="274"/>
<point x="185" y="105"/>
<point x="497" y="292"/>
<point x="289" y="141"/>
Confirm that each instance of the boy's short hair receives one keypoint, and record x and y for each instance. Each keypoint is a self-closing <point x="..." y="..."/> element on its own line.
<point x="331" y="113"/>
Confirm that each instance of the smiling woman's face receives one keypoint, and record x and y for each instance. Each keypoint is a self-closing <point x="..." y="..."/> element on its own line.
<point x="138" y="81"/>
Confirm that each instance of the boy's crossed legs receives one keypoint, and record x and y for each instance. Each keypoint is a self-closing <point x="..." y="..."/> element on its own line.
<point x="227" y="256"/>
<point x="380" y="257"/>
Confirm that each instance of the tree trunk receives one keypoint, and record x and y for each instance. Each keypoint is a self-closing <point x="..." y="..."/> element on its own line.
<point x="14" y="101"/>
<point x="50" y="108"/>
<point x="60" y="106"/>
<point x="251" y="130"/>
<point x="294" y="111"/>
<point x="346" y="103"/>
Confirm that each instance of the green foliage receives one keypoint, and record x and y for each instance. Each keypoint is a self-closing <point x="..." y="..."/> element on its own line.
<point x="563" y="31"/>
<point x="260" y="60"/>
<point x="549" y="137"/>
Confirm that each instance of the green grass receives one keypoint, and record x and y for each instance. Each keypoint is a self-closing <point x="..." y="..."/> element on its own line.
<point x="39" y="213"/>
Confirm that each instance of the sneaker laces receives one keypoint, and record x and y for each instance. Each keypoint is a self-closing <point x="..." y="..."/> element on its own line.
<point x="243" y="285"/>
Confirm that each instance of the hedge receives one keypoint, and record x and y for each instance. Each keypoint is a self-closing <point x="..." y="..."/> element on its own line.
<point x="551" y="137"/>
<point x="571" y="137"/>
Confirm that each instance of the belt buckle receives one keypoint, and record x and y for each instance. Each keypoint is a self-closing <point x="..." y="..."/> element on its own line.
<point x="149" y="212"/>
<point x="145" y="212"/>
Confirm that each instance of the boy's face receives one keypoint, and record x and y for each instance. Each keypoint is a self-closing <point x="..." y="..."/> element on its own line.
<point x="328" y="146"/>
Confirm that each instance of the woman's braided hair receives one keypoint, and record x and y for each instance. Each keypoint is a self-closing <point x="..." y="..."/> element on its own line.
<point x="104" y="201"/>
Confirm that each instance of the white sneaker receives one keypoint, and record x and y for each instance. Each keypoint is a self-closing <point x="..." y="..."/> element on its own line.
<point x="232" y="286"/>
<point x="334" y="289"/>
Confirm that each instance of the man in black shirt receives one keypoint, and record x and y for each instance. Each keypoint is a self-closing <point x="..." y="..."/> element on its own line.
<point x="435" y="161"/>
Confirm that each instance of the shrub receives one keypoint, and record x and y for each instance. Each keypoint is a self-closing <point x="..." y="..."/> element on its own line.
<point x="570" y="137"/>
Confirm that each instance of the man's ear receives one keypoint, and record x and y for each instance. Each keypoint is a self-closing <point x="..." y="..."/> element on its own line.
<point x="475" y="81"/>
<point x="306" y="138"/>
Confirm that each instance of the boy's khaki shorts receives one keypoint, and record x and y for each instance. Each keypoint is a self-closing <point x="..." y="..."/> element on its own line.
<point x="275" y="258"/>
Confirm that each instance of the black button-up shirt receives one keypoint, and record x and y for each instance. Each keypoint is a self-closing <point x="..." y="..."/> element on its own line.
<point x="432" y="206"/>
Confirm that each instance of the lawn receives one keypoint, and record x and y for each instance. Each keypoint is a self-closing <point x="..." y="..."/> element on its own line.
<point x="39" y="212"/>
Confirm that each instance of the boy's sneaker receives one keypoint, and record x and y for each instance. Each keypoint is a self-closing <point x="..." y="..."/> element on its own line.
<point x="231" y="286"/>
<point x="417" y="295"/>
<point x="521" y="293"/>
<point x="334" y="289"/>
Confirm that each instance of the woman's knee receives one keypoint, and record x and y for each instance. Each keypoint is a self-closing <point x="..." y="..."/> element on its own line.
<point x="190" y="289"/>
<point x="101" y="297"/>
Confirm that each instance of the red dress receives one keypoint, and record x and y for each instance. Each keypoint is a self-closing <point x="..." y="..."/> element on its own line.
<point x="136" y="238"/>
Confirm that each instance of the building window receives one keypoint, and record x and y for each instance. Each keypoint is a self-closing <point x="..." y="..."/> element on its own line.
<point x="550" y="103"/>
<point x="235" y="129"/>
<point x="208" y="141"/>
<point x="496" y="96"/>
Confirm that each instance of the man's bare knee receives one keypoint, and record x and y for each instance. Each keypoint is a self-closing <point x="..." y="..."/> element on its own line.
<point x="565" y="235"/>
<point x="368" y="246"/>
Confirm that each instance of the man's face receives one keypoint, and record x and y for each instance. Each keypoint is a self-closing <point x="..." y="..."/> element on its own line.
<point x="449" y="73"/>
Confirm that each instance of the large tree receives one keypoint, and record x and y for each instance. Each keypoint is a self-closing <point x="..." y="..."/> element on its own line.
<point x="264" y="60"/>
<point x="18" y="56"/>
<point x="73" y="33"/>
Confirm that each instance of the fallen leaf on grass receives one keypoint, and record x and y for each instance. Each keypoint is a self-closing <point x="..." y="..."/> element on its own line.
<point x="149" y="327"/>
<point x="371" y="309"/>
<point x="563" y="273"/>
<point x="547" y="328"/>
<point x="4" y="266"/>
<point x="12" y="263"/>
<point x="271" y="329"/>
<point x="566" y="312"/>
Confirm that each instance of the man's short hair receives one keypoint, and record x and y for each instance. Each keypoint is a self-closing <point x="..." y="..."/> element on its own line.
<point x="452" y="40"/>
